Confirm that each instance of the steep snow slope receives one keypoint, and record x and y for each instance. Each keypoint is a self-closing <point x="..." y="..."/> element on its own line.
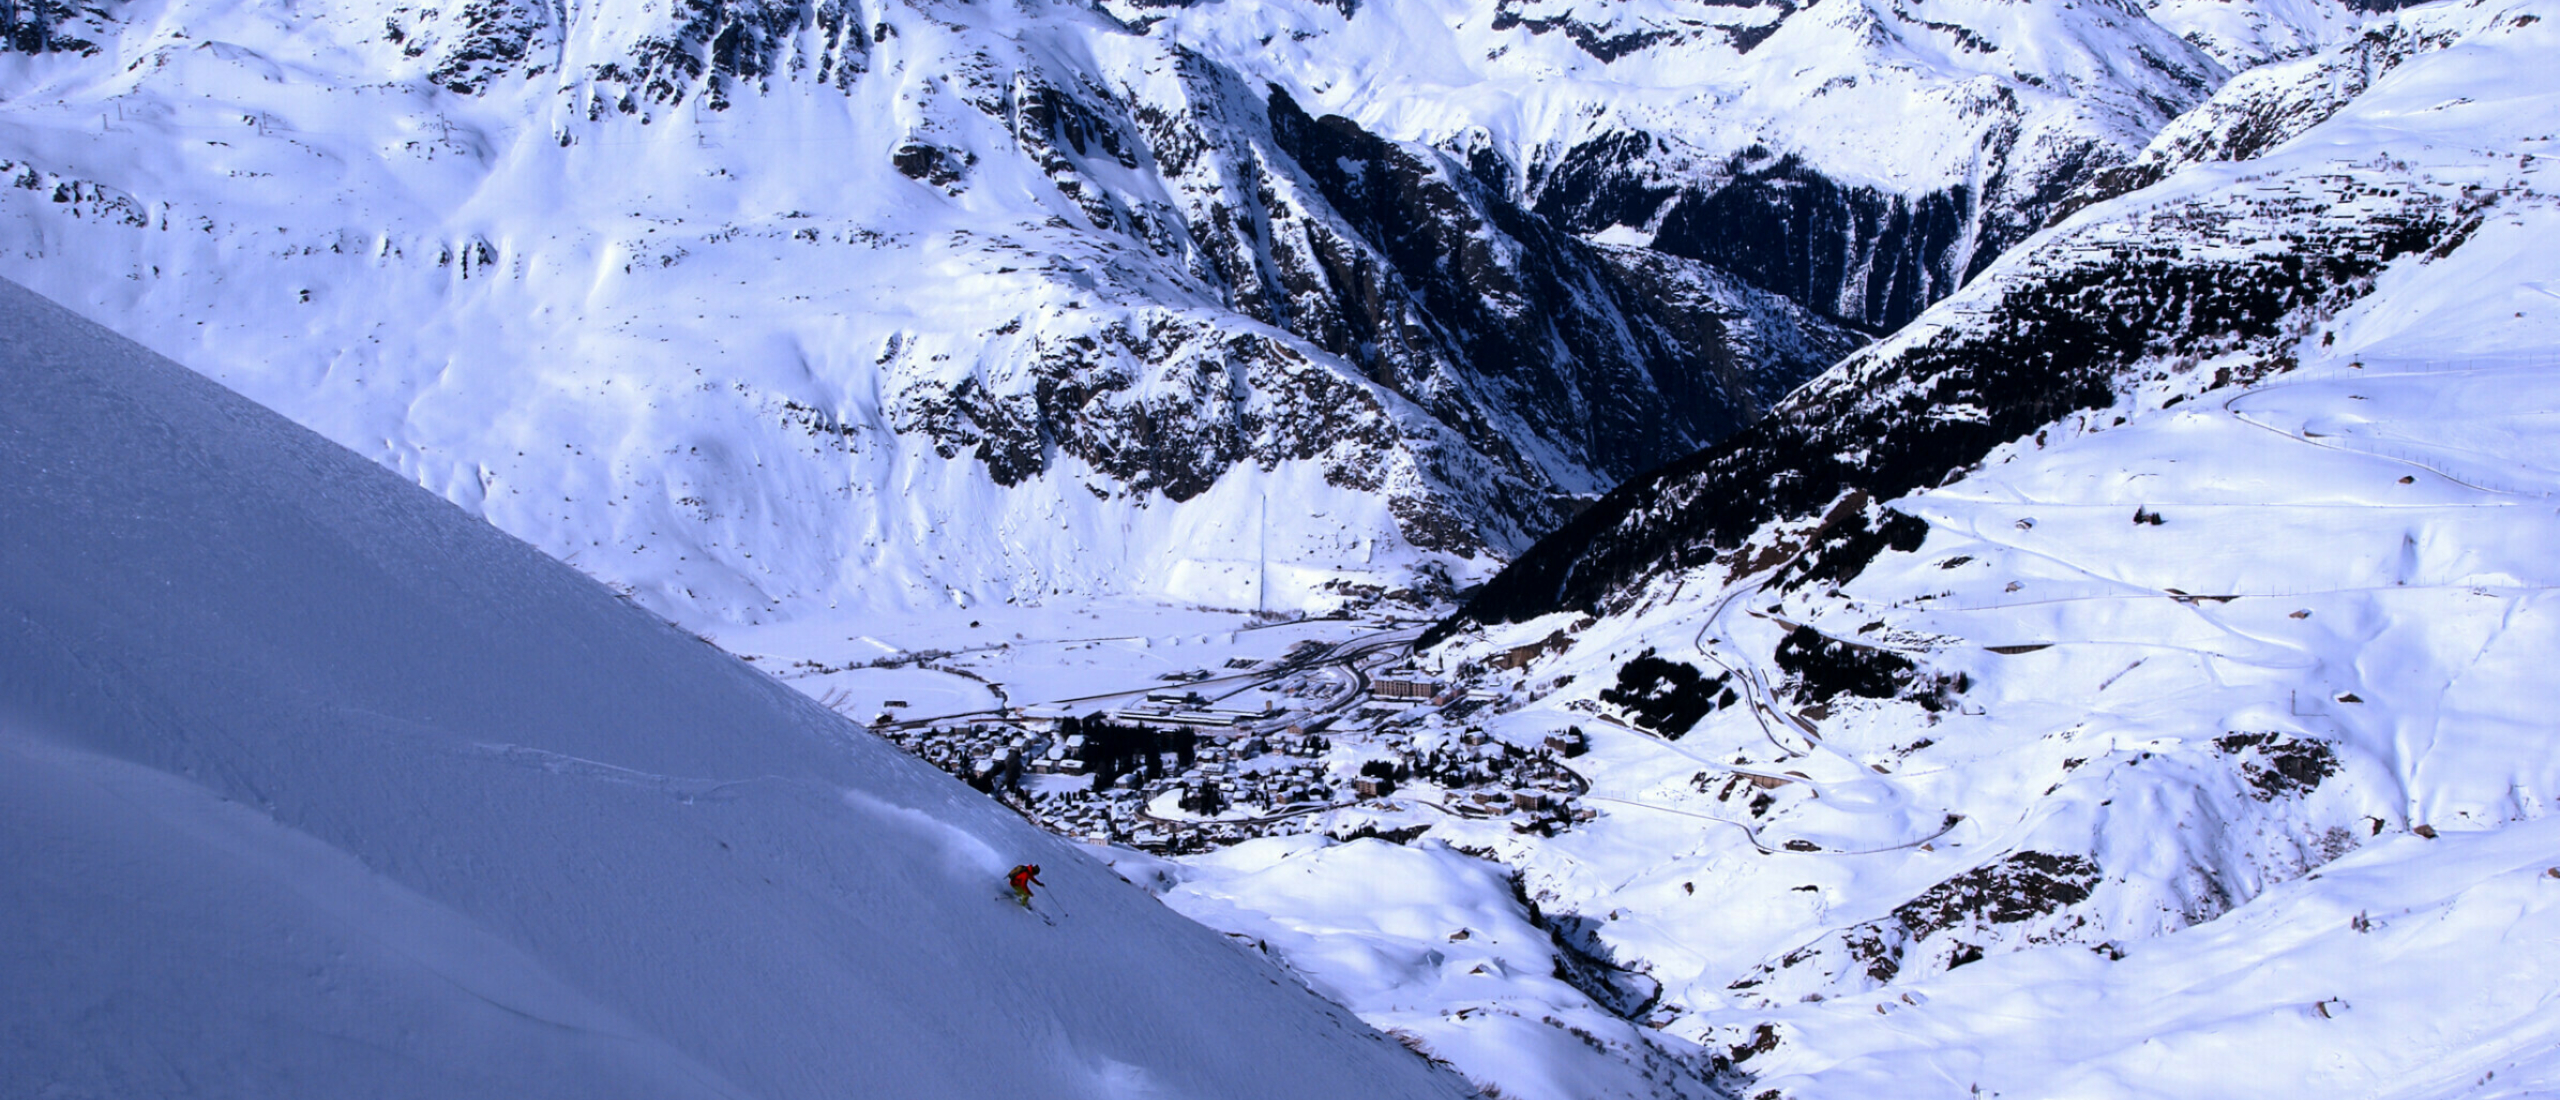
<point x="316" y="785"/>
<point x="744" y="304"/>
<point x="2126" y="681"/>
<point x="1437" y="946"/>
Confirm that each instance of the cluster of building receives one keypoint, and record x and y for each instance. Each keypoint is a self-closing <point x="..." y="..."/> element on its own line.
<point x="1479" y="776"/>
<point x="988" y="756"/>
<point x="1185" y="708"/>
<point x="1115" y="771"/>
<point x="1175" y="774"/>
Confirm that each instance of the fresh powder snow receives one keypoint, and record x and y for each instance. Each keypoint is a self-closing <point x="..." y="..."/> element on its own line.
<point x="317" y="785"/>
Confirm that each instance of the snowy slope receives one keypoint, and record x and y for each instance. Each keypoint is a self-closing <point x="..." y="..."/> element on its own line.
<point x="2127" y="681"/>
<point x="2243" y="36"/>
<point x="2444" y="992"/>
<point x="316" y="785"/>
<point x="1436" y="946"/>
<point x="2272" y="104"/>
<point x="780" y="305"/>
<point x="2227" y="261"/>
<point x="752" y="306"/>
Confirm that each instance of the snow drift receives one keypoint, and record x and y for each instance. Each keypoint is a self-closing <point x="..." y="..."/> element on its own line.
<point x="315" y="785"/>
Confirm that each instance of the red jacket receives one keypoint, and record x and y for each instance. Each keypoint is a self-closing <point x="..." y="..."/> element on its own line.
<point x="1027" y="873"/>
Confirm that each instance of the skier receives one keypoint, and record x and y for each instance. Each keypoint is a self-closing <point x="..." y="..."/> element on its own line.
<point x="1023" y="879"/>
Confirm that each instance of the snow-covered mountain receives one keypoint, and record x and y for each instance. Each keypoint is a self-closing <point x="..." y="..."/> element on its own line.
<point x="1862" y="158"/>
<point x="755" y="307"/>
<point x="2119" y="679"/>
<point x="2243" y="36"/>
<point x="2124" y="679"/>
<point x="746" y="305"/>
<point x="316" y="786"/>
<point x="2231" y="270"/>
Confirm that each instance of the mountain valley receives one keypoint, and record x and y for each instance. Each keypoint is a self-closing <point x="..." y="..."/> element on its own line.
<point x="1657" y="549"/>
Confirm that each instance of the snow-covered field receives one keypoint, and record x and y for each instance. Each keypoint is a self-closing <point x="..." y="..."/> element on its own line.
<point x="1067" y="655"/>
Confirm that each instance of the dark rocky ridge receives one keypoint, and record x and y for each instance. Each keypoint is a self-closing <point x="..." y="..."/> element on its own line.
<point x="723" y="46"/>
<point x="1862" y="257"/>
<point x="1593" y="355"/>
<point x="1531" y="344"/>
<point x="2061" y="334"/>
<point x="1562" y="365"/>
<point x="1614" y="34"/>
<point x="2023" y="898"/>
<point x="52" y="26"/>
<point x="1861" y="254"/>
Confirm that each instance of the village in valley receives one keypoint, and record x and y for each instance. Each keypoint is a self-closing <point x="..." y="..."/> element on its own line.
<point x="1335" y="730"/>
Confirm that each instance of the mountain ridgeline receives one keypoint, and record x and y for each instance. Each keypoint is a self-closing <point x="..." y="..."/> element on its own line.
<point x="1156" y="272"/>
<point x="1866" y="259"/>
<point x="1163" y="272"/>
<point x="2227" y="277"/>
<point x="1577" y="338"/>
